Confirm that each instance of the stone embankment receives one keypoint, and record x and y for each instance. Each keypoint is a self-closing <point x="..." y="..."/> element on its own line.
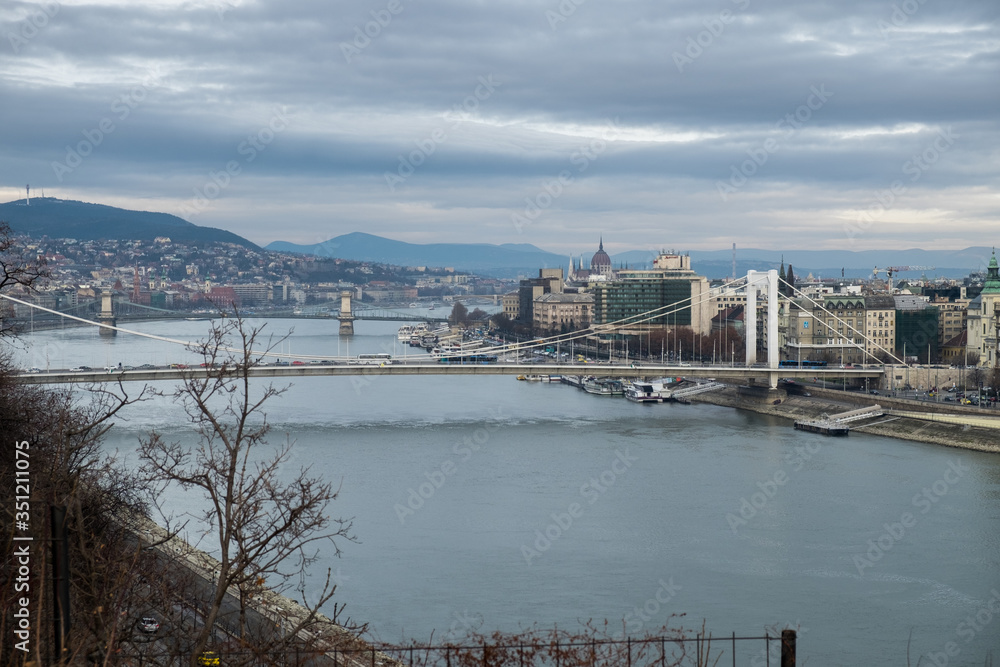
<point x="343" y="648"/>
<point x="969" y="434"/>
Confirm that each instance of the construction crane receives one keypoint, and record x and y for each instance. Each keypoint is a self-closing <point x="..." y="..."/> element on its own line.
<point x="889" y="270"/>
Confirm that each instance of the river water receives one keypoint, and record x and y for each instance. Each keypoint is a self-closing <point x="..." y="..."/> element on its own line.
<point x="495" y="503"/>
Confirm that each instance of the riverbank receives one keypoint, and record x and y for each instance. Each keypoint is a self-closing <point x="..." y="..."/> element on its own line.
<point x="821" y="402"/>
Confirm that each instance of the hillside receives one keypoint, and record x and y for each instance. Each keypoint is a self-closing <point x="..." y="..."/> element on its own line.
<point x="484" y="258"/>
<point x="509" y="259"/>
<point x="59" y="218"/>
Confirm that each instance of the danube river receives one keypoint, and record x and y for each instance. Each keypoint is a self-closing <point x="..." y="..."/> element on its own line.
<point x="495" y="503"/>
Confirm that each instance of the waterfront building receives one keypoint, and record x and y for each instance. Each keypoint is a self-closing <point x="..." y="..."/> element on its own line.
<point x="984" y="318"/>
<point x="828" y="330"/>
<point x="880" y="327"/>
<point x="670" y="282"/>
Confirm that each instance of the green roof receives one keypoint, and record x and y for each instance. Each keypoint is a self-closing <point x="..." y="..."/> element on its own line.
<point x="992" y="284"/>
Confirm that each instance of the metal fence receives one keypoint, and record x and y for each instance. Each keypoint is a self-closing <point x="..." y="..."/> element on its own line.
<point x="761" y="651"/>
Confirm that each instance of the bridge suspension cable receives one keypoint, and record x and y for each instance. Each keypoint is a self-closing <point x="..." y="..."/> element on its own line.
<point x="830" y="327"/>
<point x="647" y="316"/>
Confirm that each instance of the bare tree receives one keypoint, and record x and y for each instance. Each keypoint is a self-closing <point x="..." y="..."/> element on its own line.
<point x="266" y="525"/>
<point x="459" y="314"/>
<point x="17" y="268"/>
<point x="59" y="436"/>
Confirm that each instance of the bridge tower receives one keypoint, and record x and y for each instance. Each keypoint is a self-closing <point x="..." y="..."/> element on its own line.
<point x="769" y="279"/>
<point x="346" y="315"/>
<point x="107" y="314"/>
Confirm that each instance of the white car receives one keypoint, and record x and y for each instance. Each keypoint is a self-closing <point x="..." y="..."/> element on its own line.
<point x="149" y="624"/>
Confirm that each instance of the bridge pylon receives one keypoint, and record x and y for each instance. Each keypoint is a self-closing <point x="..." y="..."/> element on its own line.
<point x="346" y="316"/>
<point x="770" y="280"/>
<point x="107" y="315"/>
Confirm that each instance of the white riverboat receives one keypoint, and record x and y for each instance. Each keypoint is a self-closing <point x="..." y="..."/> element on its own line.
<point x="655" y="391"/>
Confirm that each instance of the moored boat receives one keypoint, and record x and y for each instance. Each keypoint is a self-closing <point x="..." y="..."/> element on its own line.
<point x="648" y="392"/>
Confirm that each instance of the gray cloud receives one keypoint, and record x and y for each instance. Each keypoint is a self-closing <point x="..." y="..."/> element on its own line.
<point x="691" y="91"/>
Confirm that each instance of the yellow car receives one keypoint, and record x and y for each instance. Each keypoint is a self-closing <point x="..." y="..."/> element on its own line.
<point x="209" y="658"/>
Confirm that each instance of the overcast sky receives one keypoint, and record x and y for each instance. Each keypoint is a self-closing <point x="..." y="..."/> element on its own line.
<point x="834" y="124"/>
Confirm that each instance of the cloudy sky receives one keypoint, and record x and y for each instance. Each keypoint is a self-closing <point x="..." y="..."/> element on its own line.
<point x="831" y="124"/>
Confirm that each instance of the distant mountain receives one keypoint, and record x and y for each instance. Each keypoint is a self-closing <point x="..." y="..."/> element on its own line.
<point x="60" y="218"/>
<point x="507" y="260"/>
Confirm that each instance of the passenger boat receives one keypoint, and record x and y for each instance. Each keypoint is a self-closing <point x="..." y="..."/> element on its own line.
<point x="648" y="392"/>
<point x="404" y="333"/>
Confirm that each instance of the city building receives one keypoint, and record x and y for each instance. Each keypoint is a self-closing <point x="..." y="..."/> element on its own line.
<point x="561" y="312"/>
<point x="830" y="330"/>
<point x="984" y="318"/>
<point x="511" y="305"/>
<point x="549" y="281"/>
<point x="671" y="287"/>
<point x="600" y="267"/>
<point x="953" y="317"/>
<point x="880" y="328"/>
<point x="916" y="328"/>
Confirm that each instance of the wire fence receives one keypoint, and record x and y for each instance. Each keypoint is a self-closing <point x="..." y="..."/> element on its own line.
<point x="759" y="651"/>
<point x="664" y="651"/>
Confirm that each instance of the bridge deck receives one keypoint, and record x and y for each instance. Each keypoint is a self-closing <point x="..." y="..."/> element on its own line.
<point x="399" y="367"/>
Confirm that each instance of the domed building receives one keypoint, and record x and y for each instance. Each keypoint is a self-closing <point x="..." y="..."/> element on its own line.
<point x="600" y="264"/>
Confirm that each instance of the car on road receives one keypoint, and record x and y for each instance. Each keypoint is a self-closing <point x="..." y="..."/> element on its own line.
<point x="34" y="369"/>
<point x="149" y="624"/>
<point x="298" y="363"/>
<point x="78" y="369"/>
<point x="873" y="392"/>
